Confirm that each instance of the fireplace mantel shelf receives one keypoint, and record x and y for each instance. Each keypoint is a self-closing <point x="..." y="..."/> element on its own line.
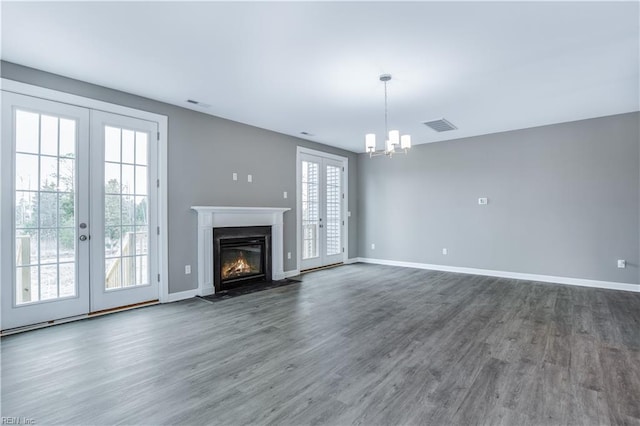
<point x="210" y="217"/>
<point x="227" y="209"/>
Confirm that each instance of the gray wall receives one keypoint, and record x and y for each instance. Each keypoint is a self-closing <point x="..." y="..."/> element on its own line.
<point x="204" y="151"/>
<point x="563" y="201"/>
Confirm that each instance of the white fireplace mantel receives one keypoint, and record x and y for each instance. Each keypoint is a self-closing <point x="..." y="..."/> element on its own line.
<point x="210" y="217"/>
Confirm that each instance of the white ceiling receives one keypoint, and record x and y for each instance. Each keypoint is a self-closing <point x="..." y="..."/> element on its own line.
<point x="292" y="67"/>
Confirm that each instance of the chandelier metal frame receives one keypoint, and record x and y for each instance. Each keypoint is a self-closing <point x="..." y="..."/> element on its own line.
<point x="395" y="144"/>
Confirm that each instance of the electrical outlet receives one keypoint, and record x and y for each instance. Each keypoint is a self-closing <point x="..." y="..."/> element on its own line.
<point x="284" y="194"/>
<point x="289" y="255"/>
<point x="445" y="251"/>
<point x="187" y="269"/>
<point x="348" y="214"/>
<point x="622" y="263"/>
<point x="373" y="246"/>
<point x="483" y="201"/>
<point x="249" y="178"/>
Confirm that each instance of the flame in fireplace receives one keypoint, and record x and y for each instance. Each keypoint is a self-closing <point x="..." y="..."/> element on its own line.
<point x="237" y="267"/>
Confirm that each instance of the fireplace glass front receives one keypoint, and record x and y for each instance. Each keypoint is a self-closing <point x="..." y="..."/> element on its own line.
<point x="241" y="260"/>
<point x="241" y="255"/>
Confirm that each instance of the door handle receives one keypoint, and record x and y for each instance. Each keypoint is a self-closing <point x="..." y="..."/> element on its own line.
<point x="83" y="238"/>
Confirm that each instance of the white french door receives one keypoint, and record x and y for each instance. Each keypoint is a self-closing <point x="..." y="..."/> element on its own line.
<point x="321" y="197"/>
<point x="45" y="175"/>
<point x="123" y="189"/>
<point x="77" y="208"/>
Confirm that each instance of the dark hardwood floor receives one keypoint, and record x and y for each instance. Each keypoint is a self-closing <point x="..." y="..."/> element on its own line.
<point x="361" y="344"/>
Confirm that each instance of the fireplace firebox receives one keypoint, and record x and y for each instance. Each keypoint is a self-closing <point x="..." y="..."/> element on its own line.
<point x="241" y="255"/>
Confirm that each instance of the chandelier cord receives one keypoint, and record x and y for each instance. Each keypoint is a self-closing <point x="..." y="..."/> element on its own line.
<point x="386" y="124"/>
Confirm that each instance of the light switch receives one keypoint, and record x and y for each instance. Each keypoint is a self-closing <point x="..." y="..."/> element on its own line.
<point x="284" y="194"/>
<point x="249" y="178"/>
<point x="235" y="176"/>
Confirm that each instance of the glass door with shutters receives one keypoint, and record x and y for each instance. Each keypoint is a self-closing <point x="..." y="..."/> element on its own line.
<point x="44" y="210"/>
<point x="78" y="210"/>
<point x="123" y="271"/>
<point x="321" y="197"/>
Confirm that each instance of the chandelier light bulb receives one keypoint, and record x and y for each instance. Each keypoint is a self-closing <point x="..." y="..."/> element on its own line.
<point x="405" y="141"/>
<point x="394" y="137"/>
<point x="370" y="142"/>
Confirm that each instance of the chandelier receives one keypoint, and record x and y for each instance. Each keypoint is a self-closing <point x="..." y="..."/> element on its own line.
<point x="395" y="143"/>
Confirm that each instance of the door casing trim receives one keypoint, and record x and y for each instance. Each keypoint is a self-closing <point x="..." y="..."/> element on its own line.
<point x="345" y="204"/>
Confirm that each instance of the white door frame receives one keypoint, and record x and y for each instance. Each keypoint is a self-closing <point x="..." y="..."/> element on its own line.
<point x="162" y="120"/>
<point x="345" y="204"/>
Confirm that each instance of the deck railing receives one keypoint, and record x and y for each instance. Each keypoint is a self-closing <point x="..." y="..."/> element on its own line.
<point x="125" y="276"/>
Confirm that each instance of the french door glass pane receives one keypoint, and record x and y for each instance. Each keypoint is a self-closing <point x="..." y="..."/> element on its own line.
<point x="67" y="138"/>
<point x="27" y="131"/>
<point x="333" y="225"/>
<point x="125" y="204"/>
<point x="310" y="209"/>
<point x="45" y="214"/>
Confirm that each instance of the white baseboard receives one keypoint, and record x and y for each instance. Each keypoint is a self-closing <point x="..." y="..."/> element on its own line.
<point x="352" y="260"/>
<point x="292" y="273"/>
<point x="505" y="274"/>
<point x="181" y="295"/>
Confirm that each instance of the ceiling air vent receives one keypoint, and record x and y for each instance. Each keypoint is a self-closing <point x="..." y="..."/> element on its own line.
<point x="440" y="125"/>
<point x="200" y="104"/>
